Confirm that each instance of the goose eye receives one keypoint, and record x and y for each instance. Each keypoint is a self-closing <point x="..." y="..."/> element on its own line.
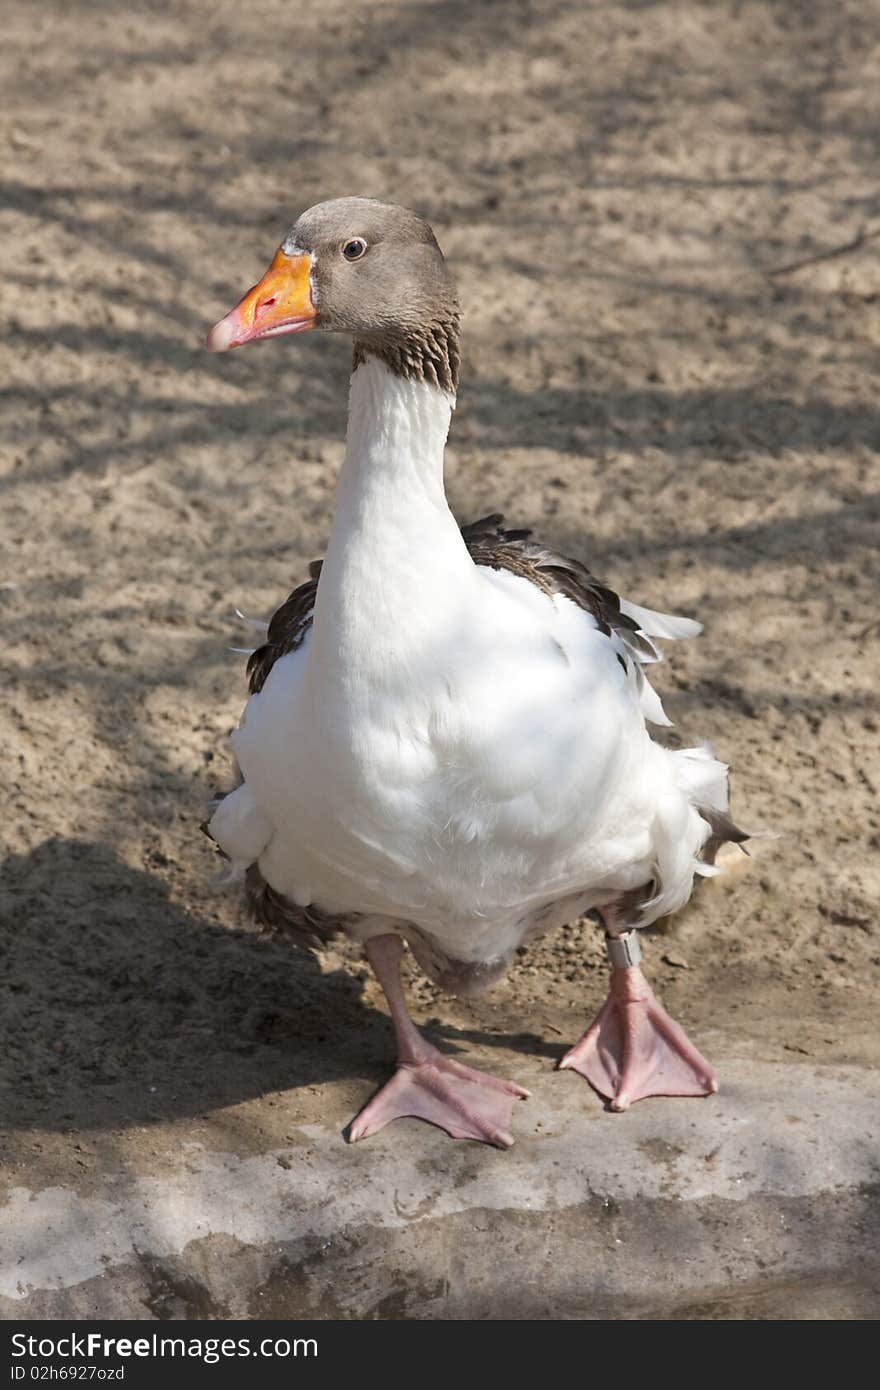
<point x="354" y="249"/>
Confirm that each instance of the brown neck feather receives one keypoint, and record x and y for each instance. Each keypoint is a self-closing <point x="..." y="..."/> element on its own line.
<point x="425" y="354"/>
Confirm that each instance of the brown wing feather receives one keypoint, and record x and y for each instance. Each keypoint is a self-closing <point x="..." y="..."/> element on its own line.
<point x="490" y="544"/>
<point x="305" y="926"/>
<point x="287" y="629"/>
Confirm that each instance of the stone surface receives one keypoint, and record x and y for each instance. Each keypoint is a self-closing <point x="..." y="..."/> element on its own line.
<point x="761" y="1202"/>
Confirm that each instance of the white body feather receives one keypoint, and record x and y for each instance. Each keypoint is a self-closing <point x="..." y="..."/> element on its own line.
<point x="451" y="747"/>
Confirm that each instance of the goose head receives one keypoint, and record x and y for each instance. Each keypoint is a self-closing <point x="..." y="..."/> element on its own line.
<point x="369" y="269"/>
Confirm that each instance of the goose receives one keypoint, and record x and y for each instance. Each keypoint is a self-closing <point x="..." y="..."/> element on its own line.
<point x="445" y="743"/>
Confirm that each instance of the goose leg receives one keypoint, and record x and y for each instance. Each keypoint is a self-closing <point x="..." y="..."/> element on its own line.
<point x="634" y="1049"/>
<point x="427" y="1084"/>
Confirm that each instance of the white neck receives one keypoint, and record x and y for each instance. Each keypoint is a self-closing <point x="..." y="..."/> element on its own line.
<point x="395" y="549"/>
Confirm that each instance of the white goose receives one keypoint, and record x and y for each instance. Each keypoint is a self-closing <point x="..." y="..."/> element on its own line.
<point x="445" y="742"/>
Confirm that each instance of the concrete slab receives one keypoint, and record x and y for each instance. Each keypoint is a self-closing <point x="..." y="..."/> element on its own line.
<point x="760" y="1202"/>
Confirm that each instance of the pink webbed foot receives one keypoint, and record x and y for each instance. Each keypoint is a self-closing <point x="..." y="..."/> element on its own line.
<point x="634" y="1049"/>
<point x="468" y="1104"/>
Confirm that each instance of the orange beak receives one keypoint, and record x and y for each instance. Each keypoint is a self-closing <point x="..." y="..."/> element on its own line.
<point x="280" y="303"/>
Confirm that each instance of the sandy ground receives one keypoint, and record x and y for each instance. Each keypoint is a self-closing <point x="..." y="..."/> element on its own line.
<point x="664" y="374"/>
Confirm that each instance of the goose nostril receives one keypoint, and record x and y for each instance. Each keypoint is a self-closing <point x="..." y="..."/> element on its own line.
<point x="266" y="303"/>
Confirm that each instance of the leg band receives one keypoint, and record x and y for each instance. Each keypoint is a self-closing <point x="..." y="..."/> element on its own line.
<point x="624" y="950"/>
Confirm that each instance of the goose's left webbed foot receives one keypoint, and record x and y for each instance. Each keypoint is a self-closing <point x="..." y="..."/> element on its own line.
<point x="634" y="1049"/>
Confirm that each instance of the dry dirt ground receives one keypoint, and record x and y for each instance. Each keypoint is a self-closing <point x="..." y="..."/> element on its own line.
<point x="663" y="220"/>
